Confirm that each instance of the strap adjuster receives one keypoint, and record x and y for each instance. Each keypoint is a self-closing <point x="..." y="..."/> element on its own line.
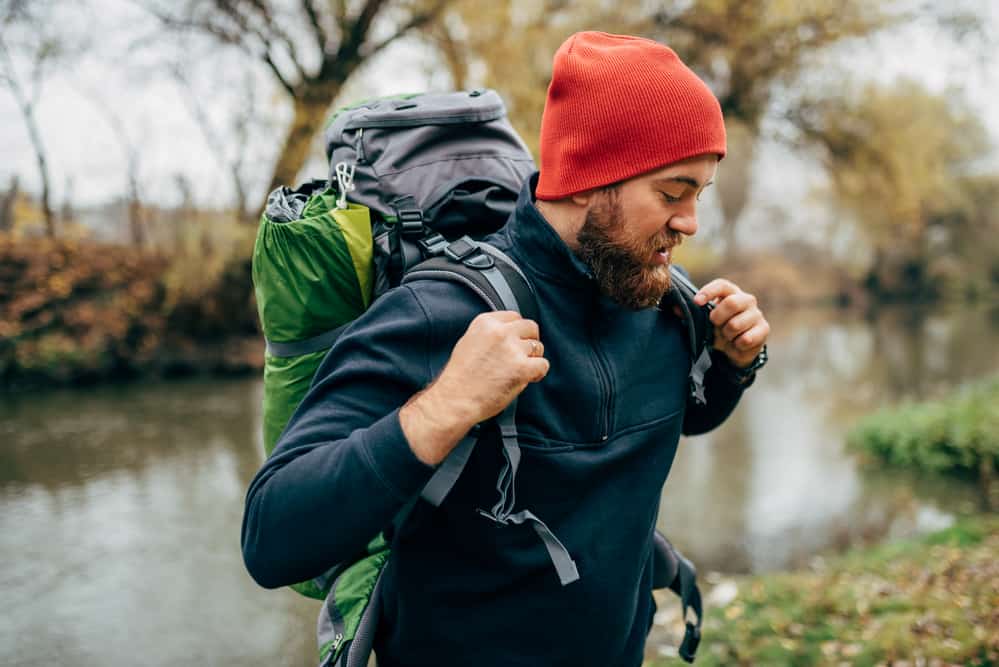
<point x="466" y="251"/>
<point x="410" y="220"/>
<point x="432" y="245"/>
<point x="460" y="249"/>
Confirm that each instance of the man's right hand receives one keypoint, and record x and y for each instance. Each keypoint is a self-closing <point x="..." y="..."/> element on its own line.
<point x="491" y="364"/>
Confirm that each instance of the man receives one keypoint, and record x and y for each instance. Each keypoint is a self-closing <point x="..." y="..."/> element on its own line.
<point x="630" y="138"/>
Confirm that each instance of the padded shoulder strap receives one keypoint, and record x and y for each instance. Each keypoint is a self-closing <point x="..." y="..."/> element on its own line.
<point x="485" y="270"/>
<point x="502" y="285"/>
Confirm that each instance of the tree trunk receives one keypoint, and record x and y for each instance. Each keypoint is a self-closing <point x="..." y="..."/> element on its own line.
<point x="734" y="176"/>
<point x="311" y="107"/>
<point x="242" y="207"/>
<point x="43" y="172"/>
<point x="7" y="204"/>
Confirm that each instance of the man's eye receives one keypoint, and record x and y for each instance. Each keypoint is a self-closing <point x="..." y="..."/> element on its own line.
<point x="670" y="198"/>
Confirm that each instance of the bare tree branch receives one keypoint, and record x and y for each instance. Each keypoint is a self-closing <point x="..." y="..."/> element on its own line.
<point x="319" y="33"/>
<point x="355" y="32"/>
<point x="339" y="8"/>
<point x="416" y="21"/>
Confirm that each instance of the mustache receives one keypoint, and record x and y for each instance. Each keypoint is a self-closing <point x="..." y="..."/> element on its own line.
<point x="668" y="240"/>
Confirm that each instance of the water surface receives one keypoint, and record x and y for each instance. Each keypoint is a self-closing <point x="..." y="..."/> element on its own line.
<point x="120" y="507"/>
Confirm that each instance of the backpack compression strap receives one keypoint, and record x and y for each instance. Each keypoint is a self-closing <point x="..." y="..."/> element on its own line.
<point x="488" y="272"/>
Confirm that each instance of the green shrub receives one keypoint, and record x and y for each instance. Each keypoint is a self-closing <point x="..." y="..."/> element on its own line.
<point x="956" y="434"/>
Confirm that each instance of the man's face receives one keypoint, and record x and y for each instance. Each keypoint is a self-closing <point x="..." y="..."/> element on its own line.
<point x="631" y="228"/>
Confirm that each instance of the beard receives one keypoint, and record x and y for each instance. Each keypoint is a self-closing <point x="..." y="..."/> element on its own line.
<point x="623" y="267"/>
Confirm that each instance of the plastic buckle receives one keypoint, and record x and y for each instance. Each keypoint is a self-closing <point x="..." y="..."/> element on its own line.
<point x="460" y="249"/>
<point x="432" y="245"/>
<point x="691" y="640"/>
<point x="410" y="221"/>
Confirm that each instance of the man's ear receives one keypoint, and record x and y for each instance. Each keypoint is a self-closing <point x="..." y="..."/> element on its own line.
<point x="584" y="198"/>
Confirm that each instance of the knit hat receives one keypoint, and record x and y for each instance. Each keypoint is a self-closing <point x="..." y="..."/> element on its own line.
<point x="620" y="106"/>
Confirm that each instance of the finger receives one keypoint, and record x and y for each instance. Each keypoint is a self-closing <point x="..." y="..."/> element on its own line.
<point x="719" y="288"/>
<point x="535" y="348"/>
<point x="537" y="369"/>
<point x="523" y="328"/>
<point x="731" y="306"/>
<point x="741" y="323"/>
<point x="500" y="316"/>
<point x="752" y="339"/>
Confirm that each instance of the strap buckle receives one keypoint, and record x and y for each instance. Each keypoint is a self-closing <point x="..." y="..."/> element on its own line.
<point x="466" y="251"/>
<point x="432" y="245"/>
<point x="691" y="640"/>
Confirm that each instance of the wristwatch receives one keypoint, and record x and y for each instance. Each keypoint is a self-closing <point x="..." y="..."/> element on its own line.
<point x="745" y="375"/>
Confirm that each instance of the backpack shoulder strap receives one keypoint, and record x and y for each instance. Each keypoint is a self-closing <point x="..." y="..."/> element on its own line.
<point x="486" y="270"/>
<point x="700" y="331"/>
<point x="497" y="279"/>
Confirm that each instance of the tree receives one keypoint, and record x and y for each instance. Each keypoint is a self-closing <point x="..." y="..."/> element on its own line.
<point x="232" y="154"/>
<point x="130" y="147"/>
<point x="40" y="48"/>
<point x="899" y="160"/>
<point x="310" y="48"/>
<point x="7" y="201"/>
<point x="750" y="52"/>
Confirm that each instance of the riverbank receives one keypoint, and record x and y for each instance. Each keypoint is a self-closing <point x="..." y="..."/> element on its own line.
<point x="76" y="311"/>
<point x="927" y="601"/>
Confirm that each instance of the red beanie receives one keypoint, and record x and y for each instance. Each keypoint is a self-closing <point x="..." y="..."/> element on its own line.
<point x="618" y="107"/>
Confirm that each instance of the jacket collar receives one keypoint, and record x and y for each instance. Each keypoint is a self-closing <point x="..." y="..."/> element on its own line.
<point x="538" y="245"/>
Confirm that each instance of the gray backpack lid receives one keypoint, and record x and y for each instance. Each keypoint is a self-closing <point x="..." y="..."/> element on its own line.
<point x="425" y="147"/>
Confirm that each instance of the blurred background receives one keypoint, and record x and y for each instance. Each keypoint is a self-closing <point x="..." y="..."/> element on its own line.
<point x="859" y="200"/>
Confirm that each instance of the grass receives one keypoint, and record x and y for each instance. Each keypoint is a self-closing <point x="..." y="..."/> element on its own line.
<point x="929" y="601"/>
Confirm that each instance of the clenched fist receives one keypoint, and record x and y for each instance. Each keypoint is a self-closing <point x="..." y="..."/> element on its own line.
<point x="491" y="364"/>
<point x="741" y="330"/>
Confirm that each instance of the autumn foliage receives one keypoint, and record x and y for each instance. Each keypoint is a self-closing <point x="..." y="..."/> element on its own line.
<point x="75" y="311"/>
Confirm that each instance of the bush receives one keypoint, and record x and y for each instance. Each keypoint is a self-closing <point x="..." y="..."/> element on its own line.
<point x="959" y="434"/>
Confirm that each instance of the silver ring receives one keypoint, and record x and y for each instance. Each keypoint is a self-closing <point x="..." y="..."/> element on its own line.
<point x="534" y="348"/>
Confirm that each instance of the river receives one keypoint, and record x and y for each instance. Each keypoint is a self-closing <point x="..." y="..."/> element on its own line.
<point x="120" y="506"/>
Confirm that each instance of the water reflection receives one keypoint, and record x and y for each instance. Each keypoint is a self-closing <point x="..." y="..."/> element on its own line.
<point x="120" y="507"/>
<point x="120" y="530"/>
<point x="774" y="485"/>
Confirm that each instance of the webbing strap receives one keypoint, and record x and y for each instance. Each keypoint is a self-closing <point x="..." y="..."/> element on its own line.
<point x="502" y="512"/>
<point x="690" y="598"/>
<point x="502" y="287"/>
<point x="323" y="341"/>
<point x="685" y="291"/>
<point x="697" y="372"/>
<point x="559" y="555"/>
<point x="447" y="474"/>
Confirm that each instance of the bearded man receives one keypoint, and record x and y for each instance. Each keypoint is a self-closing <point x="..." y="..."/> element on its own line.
<point x="630" y="138"/>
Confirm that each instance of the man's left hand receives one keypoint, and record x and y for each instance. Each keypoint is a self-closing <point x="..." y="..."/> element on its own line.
<point x="740" y="328"/>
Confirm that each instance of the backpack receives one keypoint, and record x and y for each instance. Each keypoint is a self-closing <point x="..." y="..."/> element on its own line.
<point x="427" y="176"/>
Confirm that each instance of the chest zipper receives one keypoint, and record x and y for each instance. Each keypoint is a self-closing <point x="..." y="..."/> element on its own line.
<point x="607" y="389"/>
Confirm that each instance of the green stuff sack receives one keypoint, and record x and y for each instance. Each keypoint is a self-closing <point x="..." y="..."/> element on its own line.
<point x="312" y="273"/>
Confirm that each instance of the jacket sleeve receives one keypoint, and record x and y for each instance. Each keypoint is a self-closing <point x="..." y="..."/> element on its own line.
<point x="342" y="468"/>
<point x="722" y="394"/>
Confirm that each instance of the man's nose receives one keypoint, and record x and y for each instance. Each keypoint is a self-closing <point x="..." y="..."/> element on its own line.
<point x="684" y="222"/>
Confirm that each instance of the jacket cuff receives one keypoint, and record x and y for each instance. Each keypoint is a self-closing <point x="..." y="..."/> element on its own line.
<point x="730" y="372"/>
<point x="392" y="459"/>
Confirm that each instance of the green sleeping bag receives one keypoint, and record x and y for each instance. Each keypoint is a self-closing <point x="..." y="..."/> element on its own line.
<point x="312" y="273"/>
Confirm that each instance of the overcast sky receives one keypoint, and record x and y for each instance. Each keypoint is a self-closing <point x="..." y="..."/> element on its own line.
<point x="84" y="150"/>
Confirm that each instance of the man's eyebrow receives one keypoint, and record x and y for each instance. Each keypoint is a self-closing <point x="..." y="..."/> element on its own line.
<point x="687" y="180"/>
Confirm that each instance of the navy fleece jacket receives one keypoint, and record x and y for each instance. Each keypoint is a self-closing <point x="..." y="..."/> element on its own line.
<point x="598" y="436"/>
